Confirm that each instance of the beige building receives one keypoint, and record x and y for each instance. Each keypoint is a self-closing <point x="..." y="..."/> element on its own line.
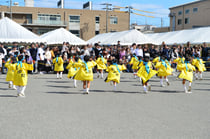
<point x="190" y="15"/>
<point x="83" y="23"/>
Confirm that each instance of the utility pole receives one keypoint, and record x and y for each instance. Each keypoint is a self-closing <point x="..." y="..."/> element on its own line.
<point x="129" y="12"/>
<point x="10" y="9"/>
<point x="107" y="13"/>
<point x="161" y="22"/>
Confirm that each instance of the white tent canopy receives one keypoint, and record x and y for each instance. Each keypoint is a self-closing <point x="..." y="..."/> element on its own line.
<point x="11" y="31"/>
<point x="195" y="36"/>
<point x="125" y="37"/>
<point x="61" y="35"/>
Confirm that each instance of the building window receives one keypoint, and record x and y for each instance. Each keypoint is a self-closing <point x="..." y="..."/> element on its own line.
<point x="179" y="21"/>
<point x="180" y="13"/>
<point x="97" y="32"/>
<point x="97" y="19"/>
<point x="195" y="10"/>
<point x="48" y="19"/>
<point x="187" y="11"/>
<point x="187" y="21"/>
<point x="75" y="32"/>
<point x="113" y="20"/>
<point x="74" y="19"/>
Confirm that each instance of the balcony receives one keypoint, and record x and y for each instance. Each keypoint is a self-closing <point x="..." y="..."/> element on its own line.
<point x="45" y="23"/>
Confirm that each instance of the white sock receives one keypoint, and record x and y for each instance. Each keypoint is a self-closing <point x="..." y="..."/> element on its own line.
<point x="97" y="72"/>
<point x="18" y="89"/>
<point x="140" y="79"/>
<point x="57" y="75"/>
<point x="196" y="75"/>
<point x="190" y="84"/>
<point x="201" y="75"/>
<point x="61" y="73"/>
<point x="75" y="82"/>
<point x="87" y="89"/>
<point x="161" y="81"/>
<point x="10" y="82"/>
<point x="115" y="86"/>
<point x="185" y="88"/>
<point x="166" y="79"/>
<point x="102" y="74"/>
<point x="145" y="88"/>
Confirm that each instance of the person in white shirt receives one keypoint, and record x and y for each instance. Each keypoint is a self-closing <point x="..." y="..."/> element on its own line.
<point x="139" y="51"/>
<point x="40" y="58"/>
<point x="133" y="48"/>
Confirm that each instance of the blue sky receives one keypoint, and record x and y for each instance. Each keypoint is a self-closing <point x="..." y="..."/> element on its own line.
<point x="160" y="7"/>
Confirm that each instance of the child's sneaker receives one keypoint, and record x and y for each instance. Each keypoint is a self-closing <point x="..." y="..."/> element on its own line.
<point x="10" y="86"/>
<point x="189" y="89"/>
<point x="168" y="83"/>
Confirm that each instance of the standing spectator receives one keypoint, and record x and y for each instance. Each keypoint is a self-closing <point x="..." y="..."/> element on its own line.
<point x="40" y="58"/>
<point x="146" y="51"/>
<point x="97" y="49"/>
<point x="33" y="52"/>
<point x="1" y="57"/>
<point x="122" y="53"/>
<point x="139" y="51"/>
<point x="48" y="60"/>
<point x="204" y="53"/>
<point x="133" y="48"/>
<point x="3" y="54"/>
<point x="153" y="52"/>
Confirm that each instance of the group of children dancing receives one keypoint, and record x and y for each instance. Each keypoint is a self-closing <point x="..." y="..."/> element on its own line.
<point x="82" y="69"/>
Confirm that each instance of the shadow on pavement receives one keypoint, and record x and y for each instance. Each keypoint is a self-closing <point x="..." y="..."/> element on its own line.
<point x="58" y="81"/>
<point x="167" y="91"/>
<point x="59" y="86"/>
<point x="202" y="89"/>
<point x="5" y="96"/>
<point x="67" y="93"/>
<point x="114" y="91"/>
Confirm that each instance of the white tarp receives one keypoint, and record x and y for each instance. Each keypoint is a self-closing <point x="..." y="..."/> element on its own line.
<point x="194" y="36"/>
<point x="11" y="31"/>
<point x="61" y="35"/>
<point x="125" y="37"/>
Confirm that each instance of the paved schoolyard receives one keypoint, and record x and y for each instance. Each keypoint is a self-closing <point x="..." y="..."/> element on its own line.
<point x="53" y="109"/>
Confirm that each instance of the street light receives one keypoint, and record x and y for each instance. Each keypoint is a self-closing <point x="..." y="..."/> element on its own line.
<point x="107" y="15"/>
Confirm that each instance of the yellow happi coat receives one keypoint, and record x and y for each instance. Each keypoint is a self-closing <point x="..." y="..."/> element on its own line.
<point x="83" y="74"/>
<point x="162" y="70"/>
<point x="10" y="71"/>
<point x="114" y="73"/>
<point x="186" y="71"/>
<point x="145" y="76"/>
<point x="72" y="69"/>
<point x="101" y="63"/>
<point x="135" y="62"/>
<point x="58" y="62"/>
<point x="199" y="63"/>
<point x="21" y="74"/>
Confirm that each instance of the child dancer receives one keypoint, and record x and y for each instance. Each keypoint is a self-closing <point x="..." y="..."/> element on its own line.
<point x="101" y="65"/>
<point x="114" y="72"/>
<point x="85" y="73"/>
<point x="200" y="67"/>
<point x="10" y="65"/>
<point x="164" y="70"/>
<point x="72" y="69"/>
<point x="21" y="75"/>
<point x="145" y="73"/>
<point x="58" y="62"/>
<point x="134" y="62"/>
<point x="186" y="74"/>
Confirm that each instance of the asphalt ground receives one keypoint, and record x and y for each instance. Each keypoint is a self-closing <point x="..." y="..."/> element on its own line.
<point x="53" y="109"/>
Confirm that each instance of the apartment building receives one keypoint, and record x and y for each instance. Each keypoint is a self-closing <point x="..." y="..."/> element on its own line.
<point x="190" y="15"/>
<point x="83" y="23"/>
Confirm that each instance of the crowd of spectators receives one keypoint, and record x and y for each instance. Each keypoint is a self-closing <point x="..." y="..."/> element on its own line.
<point x="42" y="55"/>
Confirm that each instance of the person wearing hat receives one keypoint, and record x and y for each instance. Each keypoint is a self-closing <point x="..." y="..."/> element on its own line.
<point x="199" y="65"/>
<point x="134" y="62"/>
<point x="114" y="71"/>
<point x="58" y="65"/>
<point x="145" y="73"/>
<point x="101" y="65"/>
<point x="164" y="69"/>
<point x="72" y="70"/>
<point x="10" y="65"/>
<point x="21" y="75"/>
<point x="85" y="72"/>
<point x="186" y="73"/>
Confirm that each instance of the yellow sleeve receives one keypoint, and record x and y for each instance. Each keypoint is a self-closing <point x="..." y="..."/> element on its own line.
<point x="78" y="65"/>
<point x="94" y="63"/>
<point x="68" y="66"/>
<point x="131" y="62"/>
<point x="7" y="64"/>
<point x="123" y="67"/>
<point x="54" y="60"/>
<point x="108" y="69"/>
<point x="158" y="65"/>
<point x="29" y="67"/>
